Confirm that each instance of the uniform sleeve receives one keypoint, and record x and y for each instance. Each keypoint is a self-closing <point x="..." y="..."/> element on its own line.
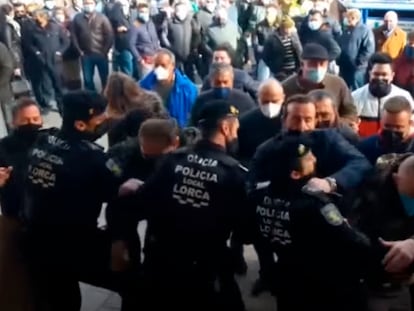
<point x="364" y="253"/>
<point x="109" y="176"/>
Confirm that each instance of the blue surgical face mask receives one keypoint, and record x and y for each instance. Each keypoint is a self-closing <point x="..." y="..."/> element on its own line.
<point x="409" y="52"/>
<point x="221" y="92"/>
<point x="408" y="204"/>
<point x="143" y="17"/>
<point x="315" y="75"/>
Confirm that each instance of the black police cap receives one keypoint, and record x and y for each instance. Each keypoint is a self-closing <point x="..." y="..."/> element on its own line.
<point x="82" y="105"/>
<point x="216" y="110"/>
<point x="290" y="150"/>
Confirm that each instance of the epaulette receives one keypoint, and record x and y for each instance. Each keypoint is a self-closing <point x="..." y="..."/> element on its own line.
<point x="92" y="145"/>
<point x="262" y="185"/>
<point x="243" y="168"/>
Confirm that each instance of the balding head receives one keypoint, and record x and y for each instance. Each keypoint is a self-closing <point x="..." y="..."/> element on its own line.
<point x="390" y="20"/>
<point x="271" y="97"/>
<point x="404" y="178"/>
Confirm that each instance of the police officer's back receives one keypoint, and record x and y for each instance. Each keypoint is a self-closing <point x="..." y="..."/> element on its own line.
<point x="193" y="203"/>
<point x="68" y="179"/>
<point x="69" y="176"/>
<point x="320" y="258"/>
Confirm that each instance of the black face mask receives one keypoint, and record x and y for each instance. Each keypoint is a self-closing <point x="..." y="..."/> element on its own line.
<point x="324" y="124"/>
<point x="28" y="132"/>
<point x="232" y="146"/>
<point x="379" y="88"/>
<point x="392" y="141"/>
<point x="100" y="130"/>
<point x="293" y="132"/>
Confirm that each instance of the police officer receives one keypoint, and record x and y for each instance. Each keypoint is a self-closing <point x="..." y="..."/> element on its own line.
<point x="68" y="179"/>
<point x="320" y="258"/>
<point x="340" y="166"/>
<point x="14" y="152"/>
<point x="193" y="203"/>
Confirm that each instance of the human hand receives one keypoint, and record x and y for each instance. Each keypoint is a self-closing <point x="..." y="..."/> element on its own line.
<point x="399" y="256"/>
<point x="119" y="256"/>
<point x="5" y="175"/>
<point x="130" y="187"/>
<point x="319" y="184"/>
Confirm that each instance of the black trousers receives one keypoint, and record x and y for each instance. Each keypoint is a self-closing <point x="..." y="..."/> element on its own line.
<point x="46" y="84"/>
<point x="59" y="261"/>
<point x="174" y="282"/>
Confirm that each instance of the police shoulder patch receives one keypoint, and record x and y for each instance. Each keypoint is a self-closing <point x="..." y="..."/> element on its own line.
<point x="332" y="215"/>
<point x="113" y="167"/>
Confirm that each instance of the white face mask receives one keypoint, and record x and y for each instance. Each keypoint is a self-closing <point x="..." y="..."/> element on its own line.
<point x="125" y="10"/>
<point x="50" y="4"/>
<point x="211" y="7"/>
<point x="271" y="110"/>
<point x="181" y="14"/>
<point x="161" y="73"/>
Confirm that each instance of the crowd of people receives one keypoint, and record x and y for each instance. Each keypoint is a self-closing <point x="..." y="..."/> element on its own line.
<point x="286" y="126"/>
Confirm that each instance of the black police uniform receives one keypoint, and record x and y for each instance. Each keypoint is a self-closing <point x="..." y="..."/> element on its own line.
<point x="320" y="258"/>
<point x="68" y="179"/>
<point x="193" y="203"/>
<point x="14" y="152"/>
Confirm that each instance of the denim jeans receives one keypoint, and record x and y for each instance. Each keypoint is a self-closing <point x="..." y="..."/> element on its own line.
<point x="89" y="62"/>
<point x="354" y="79"/>
<point x="124" y="62"/>
<point x="263" y="71"/>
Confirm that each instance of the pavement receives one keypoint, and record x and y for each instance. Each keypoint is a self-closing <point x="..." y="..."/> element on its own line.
<point x="99" y="299"/>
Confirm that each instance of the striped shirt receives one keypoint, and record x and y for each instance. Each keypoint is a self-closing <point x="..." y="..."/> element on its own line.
<point x="289" y="61"/>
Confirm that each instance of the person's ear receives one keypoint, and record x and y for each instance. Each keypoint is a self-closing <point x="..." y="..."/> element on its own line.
<point x="176" y="142"/>
<point x="295" y="175"/>
<point x="80" y="126"/>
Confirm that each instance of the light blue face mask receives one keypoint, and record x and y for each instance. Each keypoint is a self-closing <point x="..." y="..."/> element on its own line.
<point x="408" y="204"/>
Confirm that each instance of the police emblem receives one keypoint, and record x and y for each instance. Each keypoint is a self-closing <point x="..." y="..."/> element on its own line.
<point x="114" y="168"/>
<point x="332" y="215"/>
<point x="301" y="150"/>
<point x="234" y="110"/>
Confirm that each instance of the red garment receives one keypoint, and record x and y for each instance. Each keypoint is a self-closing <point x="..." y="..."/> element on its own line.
<point x="404" y="72"/>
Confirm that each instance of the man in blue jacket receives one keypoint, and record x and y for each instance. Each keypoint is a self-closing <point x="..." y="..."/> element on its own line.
<point x="340" y="166"/>
<point x="176" y="90"/>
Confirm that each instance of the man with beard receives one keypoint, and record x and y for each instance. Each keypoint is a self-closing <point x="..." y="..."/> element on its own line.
<point x="68" y="179"/>
<point x="340" y="166"/>
<point x="394" y="136"/>
<point x="192" y="203"/>
<point x="327" y="115"/>
<point x="369" y="99"/>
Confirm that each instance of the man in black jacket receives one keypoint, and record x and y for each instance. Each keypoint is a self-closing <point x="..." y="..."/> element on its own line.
<point x="46" y="42"/>
<point x="384" y="209"/>
<point x="285" y="43"/>
<point x="119" y="16"/>
<point x="222" y="77"/>
<point x="263" y="122"/>
<point x="14" y="154"/>
<point x="241" y="79"/>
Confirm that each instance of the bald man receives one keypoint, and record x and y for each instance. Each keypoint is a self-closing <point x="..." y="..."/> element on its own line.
<point x="260" y="124"/>
<point x="386" y="214"/>
<point x="389" y="37"/>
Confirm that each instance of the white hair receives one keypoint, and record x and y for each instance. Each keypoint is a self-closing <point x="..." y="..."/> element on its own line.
<point x="391" y="14"/>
